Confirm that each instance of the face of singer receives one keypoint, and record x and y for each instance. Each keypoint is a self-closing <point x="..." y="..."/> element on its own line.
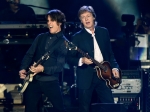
<point x="87" y="20"/>
<point x="54" y="26"/>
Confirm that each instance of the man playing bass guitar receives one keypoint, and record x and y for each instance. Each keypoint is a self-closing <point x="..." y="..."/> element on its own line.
<point x="95" y="42"/>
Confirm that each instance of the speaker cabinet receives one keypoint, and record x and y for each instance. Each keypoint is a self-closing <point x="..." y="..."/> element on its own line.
<point x="107" y="107"/>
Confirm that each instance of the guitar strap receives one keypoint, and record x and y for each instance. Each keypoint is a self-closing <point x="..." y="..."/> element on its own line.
<point x="55" y="44"/>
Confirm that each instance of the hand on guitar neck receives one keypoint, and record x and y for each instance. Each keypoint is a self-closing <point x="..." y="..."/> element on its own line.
<point x="86" y="61"/>
<point x="36" y="69"/>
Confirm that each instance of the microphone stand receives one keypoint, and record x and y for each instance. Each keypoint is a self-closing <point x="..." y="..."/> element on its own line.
<point x="74" y="88"/>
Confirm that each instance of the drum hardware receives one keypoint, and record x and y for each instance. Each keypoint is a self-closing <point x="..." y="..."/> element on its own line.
<point x="44" y="104"/>
<point x="65" y="88"/>
<point x="74" y="90"/>
<point x="75" y="83"/>
<point x="64" y="85"/>
<point x="69" y="92"/>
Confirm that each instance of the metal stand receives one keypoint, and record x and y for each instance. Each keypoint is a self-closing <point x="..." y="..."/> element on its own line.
<point x="74" y="88"/>
<point x="44" y="104"/>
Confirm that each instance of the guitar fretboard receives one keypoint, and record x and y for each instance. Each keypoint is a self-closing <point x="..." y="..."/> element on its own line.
<point x="93" y="60"/>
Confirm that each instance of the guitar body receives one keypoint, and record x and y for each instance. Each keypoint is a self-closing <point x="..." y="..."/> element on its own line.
<point x="22" y="87"/>
<point x="29" y="76"/>
<point x="108" y="76"/>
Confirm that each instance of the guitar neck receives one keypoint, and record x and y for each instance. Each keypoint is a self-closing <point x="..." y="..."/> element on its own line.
<point x="89" y="57"/>
<point x="38" y="62"/>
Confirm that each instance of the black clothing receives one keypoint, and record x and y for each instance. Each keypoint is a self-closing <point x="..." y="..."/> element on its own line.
<point x="87" y="79"/>
<point x="50" y="89"/>
<point x="24" y="15"/>
<point x="54" y="65"/>
<point x="84" y="41"/>
<point x="103" y="92"/>
<point x="45" y="82"/>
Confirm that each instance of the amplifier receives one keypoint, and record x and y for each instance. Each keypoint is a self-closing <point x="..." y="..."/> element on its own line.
<point x="146" y="91"/>
<point x="132" y="102"/>
<point x="131" y="74"/>
<point x="103" y="107"/>
<point x="131" y="82"/>
<point x="130" y="90"/>
<point x="129" y="86"/>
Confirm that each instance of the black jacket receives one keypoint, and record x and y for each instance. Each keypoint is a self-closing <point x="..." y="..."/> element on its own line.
<point x="84" y="41"/>
<point x="54" y="65"/>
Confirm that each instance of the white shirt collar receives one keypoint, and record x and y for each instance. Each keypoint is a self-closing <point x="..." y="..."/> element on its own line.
<point x="89" y="31"/>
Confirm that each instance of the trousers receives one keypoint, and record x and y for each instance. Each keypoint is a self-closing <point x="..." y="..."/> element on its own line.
<point x="103" y="92"/>
<point x="50" y="89"/>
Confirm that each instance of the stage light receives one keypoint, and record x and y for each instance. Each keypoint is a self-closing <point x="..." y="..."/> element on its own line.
<point x="120" y="7"/>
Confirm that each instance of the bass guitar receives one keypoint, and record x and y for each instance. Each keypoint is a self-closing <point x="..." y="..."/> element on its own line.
<point x="29" y="76"/>
<point x="103" y="69"/>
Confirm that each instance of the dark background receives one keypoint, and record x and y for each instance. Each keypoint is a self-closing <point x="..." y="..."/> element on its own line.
<point x="108" y="13"/>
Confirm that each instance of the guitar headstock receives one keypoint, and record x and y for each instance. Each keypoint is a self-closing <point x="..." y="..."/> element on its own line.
<point x="70" y="46"/>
